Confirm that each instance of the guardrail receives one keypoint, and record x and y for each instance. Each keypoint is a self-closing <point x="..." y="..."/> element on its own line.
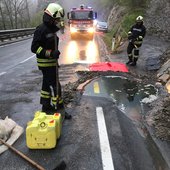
<point x="15" y="33"/>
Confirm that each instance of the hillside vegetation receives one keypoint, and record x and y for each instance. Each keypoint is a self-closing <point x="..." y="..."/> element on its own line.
<point x="124" y="12"/>
<point x="121" y="18"/>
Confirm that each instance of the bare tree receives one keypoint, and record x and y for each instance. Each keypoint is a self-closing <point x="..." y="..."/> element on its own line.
<point x="2" y="16"/>
<point x="18" y="8"/>
<point x="8" y="12"/>
<point x="14" y="14"/>
<point x="27" y="9"/>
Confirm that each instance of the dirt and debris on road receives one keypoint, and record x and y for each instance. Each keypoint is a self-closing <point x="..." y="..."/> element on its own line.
<point x="160" y="109"/>
<point x="162" y="119"/>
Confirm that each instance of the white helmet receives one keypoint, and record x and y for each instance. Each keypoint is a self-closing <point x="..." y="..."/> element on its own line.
<point x="82" y="6"/>
<point x="55" y="11"/>
<point x="139" y="19"/>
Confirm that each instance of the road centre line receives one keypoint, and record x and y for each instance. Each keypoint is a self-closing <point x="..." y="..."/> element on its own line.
<point x="96" y="87"/>
<point x="27" y="59"/>
<point x="106" y="155"/>
<point x="2" y="73"/>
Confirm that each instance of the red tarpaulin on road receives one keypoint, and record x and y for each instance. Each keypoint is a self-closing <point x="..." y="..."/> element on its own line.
<point x="108" y="66"/>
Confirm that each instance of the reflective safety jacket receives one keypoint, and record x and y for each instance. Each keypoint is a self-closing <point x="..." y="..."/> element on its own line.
<point x="137" y="33"/>
<point x="43" y="42"/>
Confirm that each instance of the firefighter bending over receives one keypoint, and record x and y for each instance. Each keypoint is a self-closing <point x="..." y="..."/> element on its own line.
<point x="135" y="36"/>
<point x="45" y="45"/>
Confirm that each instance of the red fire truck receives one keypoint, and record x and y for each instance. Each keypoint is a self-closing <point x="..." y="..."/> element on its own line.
<point x="82" y="22"/>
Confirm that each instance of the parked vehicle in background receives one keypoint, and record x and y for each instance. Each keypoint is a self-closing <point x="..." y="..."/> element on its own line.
<point x="81" y="22"/>
<point x="101" y="26"/>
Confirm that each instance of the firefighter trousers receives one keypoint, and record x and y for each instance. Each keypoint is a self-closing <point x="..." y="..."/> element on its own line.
<point x="48" y="91"/>
<point x="133" y="51"/>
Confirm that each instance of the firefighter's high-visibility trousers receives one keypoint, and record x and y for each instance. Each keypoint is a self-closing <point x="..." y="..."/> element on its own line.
<point x="48" y="91"/>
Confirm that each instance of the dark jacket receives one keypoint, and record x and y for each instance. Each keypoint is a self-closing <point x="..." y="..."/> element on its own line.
<point x="43" y="40"/>
<point x="136" y="34"/>
<point x="138" y="30"/>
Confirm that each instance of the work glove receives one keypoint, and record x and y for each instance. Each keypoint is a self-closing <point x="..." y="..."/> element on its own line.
<point x="140" y="38"/>
<point x="132" y="40"/>
<point x="130" y="35"/>
<point x="55" y="54"/>
<point x="52" y="54"/>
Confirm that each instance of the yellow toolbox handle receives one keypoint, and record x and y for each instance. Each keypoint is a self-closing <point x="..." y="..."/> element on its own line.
<point x="42" y="124"/>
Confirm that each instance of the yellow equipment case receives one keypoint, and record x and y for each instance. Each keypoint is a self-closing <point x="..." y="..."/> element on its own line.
<point x="43" y="131"/>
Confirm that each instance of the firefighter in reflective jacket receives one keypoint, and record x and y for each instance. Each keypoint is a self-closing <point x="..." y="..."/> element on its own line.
<point x="135" y="36"/>
<point x="45" y="46"/>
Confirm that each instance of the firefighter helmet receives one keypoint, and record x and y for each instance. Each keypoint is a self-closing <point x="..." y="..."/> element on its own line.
<point x="139" y="19"/>
<point x="82" y="6"/>
<point x="55" y="10"/>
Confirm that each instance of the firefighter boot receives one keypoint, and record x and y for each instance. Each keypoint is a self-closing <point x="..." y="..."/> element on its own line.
<point x="61" y="106"/>
<point x="67" y="116"/>
<point x="134" y="62"/>
<point x="130" y="60"/>
<point x="47" y="108"/>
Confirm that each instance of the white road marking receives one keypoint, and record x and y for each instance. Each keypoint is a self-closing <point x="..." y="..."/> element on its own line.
<point x="2" y="73"/>
<point x="104" y="141"/>
<point x="27" y="59"/>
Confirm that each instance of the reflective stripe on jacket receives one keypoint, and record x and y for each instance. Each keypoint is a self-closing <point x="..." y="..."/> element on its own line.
<point x="46" y="62"/>
<point x="138" y="42"/>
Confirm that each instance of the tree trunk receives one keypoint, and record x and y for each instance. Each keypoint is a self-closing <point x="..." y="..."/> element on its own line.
<point x="9" y="10"/>
<point x="3" y="19"/>
<point x="28" y="14"/>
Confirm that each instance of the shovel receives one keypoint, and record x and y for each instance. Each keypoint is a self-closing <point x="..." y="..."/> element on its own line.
<point x="57" y="75"/>
<point x="61" y="166"/>
<point x="65" y="115"/>
<point x="22" y="155"/>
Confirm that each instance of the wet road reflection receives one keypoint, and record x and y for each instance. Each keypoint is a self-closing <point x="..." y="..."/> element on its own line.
<point x="80" y="51"/>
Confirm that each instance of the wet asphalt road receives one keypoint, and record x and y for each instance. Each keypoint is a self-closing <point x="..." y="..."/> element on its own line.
<point x="80" y="145"/>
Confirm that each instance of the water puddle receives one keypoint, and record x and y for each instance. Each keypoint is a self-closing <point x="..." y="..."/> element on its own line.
<point x="128" y="95"/>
